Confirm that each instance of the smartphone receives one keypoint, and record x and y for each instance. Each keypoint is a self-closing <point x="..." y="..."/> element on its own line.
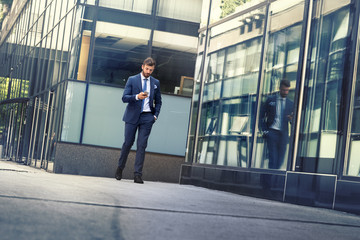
<point x="146" y="93"/>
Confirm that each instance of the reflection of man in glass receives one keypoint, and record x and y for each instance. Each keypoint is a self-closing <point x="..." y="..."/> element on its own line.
<point x="276" y="114"/>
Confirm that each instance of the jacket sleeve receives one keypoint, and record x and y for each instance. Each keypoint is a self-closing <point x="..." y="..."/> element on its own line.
<point x="128" y="95"/>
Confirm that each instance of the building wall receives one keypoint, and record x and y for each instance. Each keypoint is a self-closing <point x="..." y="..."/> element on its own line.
<point x="245" y="57"/>
<point x="244" y="52"/>
<point x="70" y="60"/>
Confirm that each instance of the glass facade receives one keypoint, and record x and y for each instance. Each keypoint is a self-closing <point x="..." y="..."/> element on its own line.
<point x="64" y="63"/>
<point x="34" y="53"/>
<point x="275" y="107"/>
<point x="244" y="51"/>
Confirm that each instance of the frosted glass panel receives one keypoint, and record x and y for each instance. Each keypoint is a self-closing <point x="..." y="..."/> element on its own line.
<point x="354" y="160"/>
<point x="169" y="132"/>
<point x="75" y="95"/>
<point x="328" y="145"/>
<point x="103" y="120"/>
<point x="104" y="126"/>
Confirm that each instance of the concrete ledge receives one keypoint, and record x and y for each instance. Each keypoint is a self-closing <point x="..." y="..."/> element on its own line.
<point x="100" y="161"/>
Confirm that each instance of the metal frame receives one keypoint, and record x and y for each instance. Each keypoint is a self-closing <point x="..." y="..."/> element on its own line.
<point x="299" y="96"/>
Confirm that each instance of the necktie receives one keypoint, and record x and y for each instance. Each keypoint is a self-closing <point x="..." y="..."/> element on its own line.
<point x="145" y="85"/>
<point x="144" y="89"/>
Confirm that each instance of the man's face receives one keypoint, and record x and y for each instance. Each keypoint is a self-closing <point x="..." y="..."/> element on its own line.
<point x="284" y="91"/>
<point x="147" y="70"/>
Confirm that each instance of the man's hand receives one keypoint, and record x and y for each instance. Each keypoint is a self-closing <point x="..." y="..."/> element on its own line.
<point x="142" y="95"/>
<point x="290" y="117"/>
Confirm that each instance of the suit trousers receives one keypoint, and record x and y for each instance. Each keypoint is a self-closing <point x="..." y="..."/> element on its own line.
<point x="277" y="144"/>
<point x="143" y="126"/>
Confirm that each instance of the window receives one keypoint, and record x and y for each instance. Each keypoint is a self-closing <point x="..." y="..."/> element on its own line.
<point x="140" y="6"/>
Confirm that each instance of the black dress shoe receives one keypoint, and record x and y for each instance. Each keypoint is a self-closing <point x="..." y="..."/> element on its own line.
<point x="138" y="179"/>
<point x="118" y="174"/>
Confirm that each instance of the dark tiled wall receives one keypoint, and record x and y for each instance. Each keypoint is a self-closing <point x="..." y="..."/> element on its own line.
<point x="316" y="190"/>
<point x="348" y="196"/>
<point x="310" y="189"/>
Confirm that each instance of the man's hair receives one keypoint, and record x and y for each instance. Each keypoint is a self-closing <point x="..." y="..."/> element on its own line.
<point x="149" y="61"/>
<point x="285" y="83"/>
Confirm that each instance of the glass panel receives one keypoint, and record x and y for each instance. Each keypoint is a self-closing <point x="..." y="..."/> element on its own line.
<point x="323" y="87"/>
<point x="175" y="55"/>
<point x="49" y="17"/>
<point x="73" y="113"/>
<point x="65" y="44"/>
<point x="42" y="6"/>
<point x="39" y="133"/>
<point x="140" y="6"/>
<point x="81" y="44"/>
<point x="195" y="102"/>
<point x="353" y="168"/>
<point x="206" y="148"/>
<point x="204" y="13"/>
<point x="58" y="11"/>
<point x="103" y="125"/>
<point x="51" y="65"/>
<point x="89" y="2"/>
<point x="188" y="10"/>
<point x="119" y="52"/>
<point x="229" y="95"/>
<point x="281" y="63"/>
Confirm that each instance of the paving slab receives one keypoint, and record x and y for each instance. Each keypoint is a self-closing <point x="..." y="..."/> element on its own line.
<point x="35" y="204"/>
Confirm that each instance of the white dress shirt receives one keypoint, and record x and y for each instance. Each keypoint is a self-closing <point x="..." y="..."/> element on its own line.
<point x="146" y="100"/>
<point x="280" y="106"/>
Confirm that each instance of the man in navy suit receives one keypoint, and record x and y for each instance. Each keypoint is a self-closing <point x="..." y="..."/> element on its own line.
<point x="276" y="114"/>
<point x="142" y="93"/>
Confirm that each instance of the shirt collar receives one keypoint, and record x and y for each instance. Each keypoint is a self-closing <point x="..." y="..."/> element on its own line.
<point x="142" y="77"/>
<point x="280" y="97"/>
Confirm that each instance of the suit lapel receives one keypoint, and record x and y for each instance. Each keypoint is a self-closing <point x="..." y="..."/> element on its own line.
<point x="151" y="88"/>
<point x="139" y="82"/>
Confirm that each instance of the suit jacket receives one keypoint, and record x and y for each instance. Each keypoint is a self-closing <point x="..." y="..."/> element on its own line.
<point x="268" y="113"/>
<point x="132" y="88"/>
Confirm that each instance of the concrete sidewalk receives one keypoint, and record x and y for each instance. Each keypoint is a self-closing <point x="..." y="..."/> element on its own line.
<point x="35" y="204"/>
